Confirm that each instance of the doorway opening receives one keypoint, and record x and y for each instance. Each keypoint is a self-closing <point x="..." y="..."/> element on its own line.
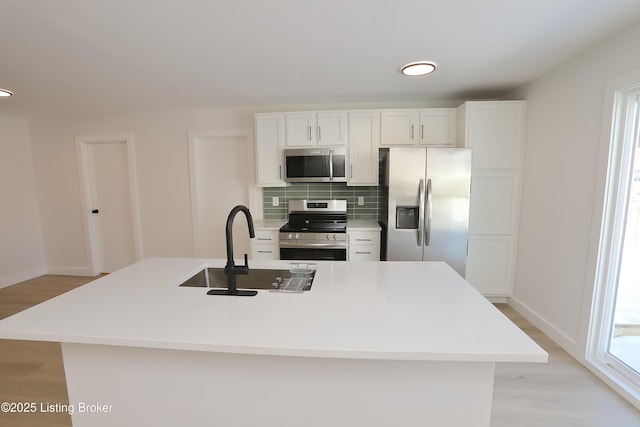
<point x="222" y="175"/>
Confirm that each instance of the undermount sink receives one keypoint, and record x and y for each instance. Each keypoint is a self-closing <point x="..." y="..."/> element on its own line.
<point x="294" y="280"/>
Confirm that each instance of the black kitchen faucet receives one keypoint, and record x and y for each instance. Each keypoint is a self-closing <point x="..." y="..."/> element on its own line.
<point x="231" y="269"/>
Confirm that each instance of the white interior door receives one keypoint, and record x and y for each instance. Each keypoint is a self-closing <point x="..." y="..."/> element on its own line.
<point x="109" y="203"/>
<point x="221" y="173"/>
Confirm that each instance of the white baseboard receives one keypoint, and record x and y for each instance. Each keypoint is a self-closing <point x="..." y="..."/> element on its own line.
<point x="562" y="339"/>
<point x="22" y="276"/>
<point x="70" y="271"/>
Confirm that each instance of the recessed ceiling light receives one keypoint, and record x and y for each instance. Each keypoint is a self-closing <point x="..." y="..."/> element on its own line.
<point x="419" y="68"/>
<point x="4" y="92"/>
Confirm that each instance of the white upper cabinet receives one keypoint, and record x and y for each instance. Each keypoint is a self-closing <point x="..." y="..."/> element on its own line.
<point x="308" y="129"/>
<point x="332" y="128"/>
<point x="270" y="140"/>
<point x="429" y="127"/>
<point x="364" y="141"/>
<point x="301" y="129"/>
<point x="495" y="131"/>
<point x="399" y="127"/>
<point x="438" y="127"/>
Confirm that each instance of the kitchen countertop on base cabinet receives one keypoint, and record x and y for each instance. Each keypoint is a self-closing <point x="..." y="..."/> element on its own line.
<point x="381" y="343"/>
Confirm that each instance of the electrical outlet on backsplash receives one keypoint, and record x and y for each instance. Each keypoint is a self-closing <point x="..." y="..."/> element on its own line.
<point x="322" y="191"/>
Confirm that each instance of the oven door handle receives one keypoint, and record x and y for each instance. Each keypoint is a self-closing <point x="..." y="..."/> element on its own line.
<point x="327" y="245"/>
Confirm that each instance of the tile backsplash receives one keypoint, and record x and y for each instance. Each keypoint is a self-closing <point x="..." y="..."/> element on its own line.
<point x="322" y="191"/>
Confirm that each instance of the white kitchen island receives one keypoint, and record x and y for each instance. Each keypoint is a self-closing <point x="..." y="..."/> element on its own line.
<point x="371" y="344"/>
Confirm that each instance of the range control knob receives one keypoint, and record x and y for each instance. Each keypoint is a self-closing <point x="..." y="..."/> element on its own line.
<point x="290" y="236"/>
<point x="297" y="236"/>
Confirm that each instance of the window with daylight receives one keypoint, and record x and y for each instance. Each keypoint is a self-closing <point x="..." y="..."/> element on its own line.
<point x="615" y="328"/>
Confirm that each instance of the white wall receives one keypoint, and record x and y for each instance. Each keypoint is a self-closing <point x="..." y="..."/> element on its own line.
<point x="561" y="196"/>
<point x="21" y="250"/>
<point x="161" y="161"/>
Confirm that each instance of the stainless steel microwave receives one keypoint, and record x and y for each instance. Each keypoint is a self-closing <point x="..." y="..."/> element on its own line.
<point x="315" y="164"/>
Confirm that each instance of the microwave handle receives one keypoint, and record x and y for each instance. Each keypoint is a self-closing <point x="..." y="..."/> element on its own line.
<point x="331" y="164"/>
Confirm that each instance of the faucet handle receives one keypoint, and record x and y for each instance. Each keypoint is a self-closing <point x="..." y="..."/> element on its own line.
<point x="246" y="261"/>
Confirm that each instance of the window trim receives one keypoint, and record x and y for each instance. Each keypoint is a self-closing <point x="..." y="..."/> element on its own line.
<point x="621" y="104"/>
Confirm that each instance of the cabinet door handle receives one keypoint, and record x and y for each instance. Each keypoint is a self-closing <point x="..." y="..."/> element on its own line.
<point x="309" y="133"/>
<point x="319" y="134"/>
<point x="411" y="131"/>
<point x="264" y="238"/>
<point x="280" y="172"/>
<point x="363" y="253"/>
<point x="351" y="171"/>
<point x="363" y="240"/>
<point x="421" y="131"/>
<point x="265" y="252"/>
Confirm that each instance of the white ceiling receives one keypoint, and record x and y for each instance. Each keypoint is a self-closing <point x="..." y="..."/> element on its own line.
<point x="107" y="56"/>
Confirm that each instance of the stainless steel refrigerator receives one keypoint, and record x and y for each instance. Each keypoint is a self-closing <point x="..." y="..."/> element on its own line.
<point x="427" y="213"/>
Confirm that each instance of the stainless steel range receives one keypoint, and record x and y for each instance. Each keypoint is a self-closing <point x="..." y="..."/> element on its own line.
<point x="317" y="230"/>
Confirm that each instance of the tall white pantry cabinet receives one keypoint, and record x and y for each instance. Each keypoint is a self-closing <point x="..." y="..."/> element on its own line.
<point x="495" y="132"/>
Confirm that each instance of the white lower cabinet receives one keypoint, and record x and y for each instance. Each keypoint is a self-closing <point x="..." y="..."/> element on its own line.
<point x="490" y="264"/>
<point x="364" y="246"/>
<point x="264" y="247"/>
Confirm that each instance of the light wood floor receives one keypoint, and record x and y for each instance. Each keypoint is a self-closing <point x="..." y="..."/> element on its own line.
<point x="32" y="371"/>
<point x="561" y="393"/>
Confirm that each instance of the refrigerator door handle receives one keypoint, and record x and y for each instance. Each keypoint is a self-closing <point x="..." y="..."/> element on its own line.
<point x="429" y="207"/>
<point x="421" y="205"/>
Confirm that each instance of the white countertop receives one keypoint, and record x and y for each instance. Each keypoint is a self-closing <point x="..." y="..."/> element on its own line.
<point x="365" y="310"/>
<point x="269" y="224"/>
<point x="352" y="224"/>
<point x="362" y="225"/>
